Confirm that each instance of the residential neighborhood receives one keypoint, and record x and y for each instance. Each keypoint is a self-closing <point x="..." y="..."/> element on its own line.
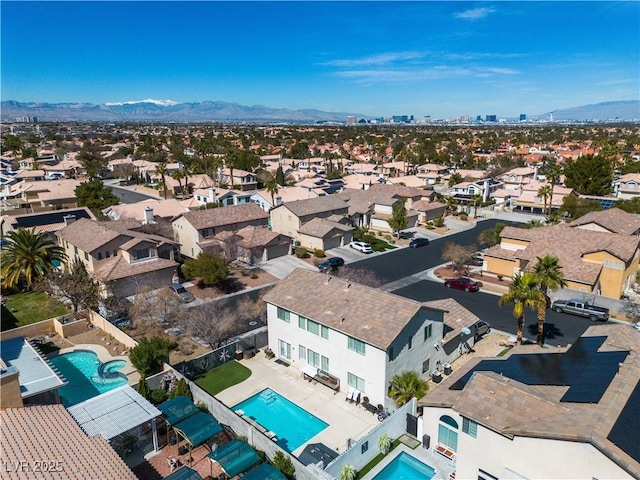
<point x="314" y="301"/>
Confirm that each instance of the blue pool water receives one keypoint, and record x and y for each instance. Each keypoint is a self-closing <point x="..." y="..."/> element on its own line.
<point x="406" y="467"/>
<point x="292" y="425"/>
<point x="80" y="369"/>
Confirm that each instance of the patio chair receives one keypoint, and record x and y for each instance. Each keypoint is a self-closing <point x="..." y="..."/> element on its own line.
<point x="172" y="462"/>
<point x="350" y="395"/>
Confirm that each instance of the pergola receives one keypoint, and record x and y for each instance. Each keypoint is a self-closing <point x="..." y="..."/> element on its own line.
<point x="184" y="473"/>
<point x="235" y="457"/>
<point x="264" y="471"/>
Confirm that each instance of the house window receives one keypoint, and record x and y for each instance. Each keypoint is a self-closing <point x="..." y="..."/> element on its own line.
<point x="428" y="331"/>
<point x="284" y="315"/>
<point x="302" y="352"/>
<point x="107" y="254"/>
<point x="365" y="447"/>
<point x="410" y="342"/>
<point x="313" y="358"/>
<point x="99" y="255"/>
<point x="426" y="365"/>
<point x="470" y="427"/>
<point x="324" y="331"/>
<point x="355" y="381"/>
<point x="115" y="253"/>
<point x="302" y="322"/>
<point x="142" y="253"/>
<point x="313" y="327"/>
<point x="356" y="345"/>
<point x="613" y="264"/>
<point x="325" y="363"/>
<point x="75" y="250"/>
<point x="86" y="256"/>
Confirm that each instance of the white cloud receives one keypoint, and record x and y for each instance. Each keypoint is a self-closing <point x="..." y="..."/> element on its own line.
<point x="433" y="73"/>
<point x="380" y="59"/>
<point x="475" y="13"/>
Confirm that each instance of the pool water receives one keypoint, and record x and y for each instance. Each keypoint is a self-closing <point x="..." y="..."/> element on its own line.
<point x="80" y="369"/>
<point x="406" y="467"/>
<point x="292" y="425"/>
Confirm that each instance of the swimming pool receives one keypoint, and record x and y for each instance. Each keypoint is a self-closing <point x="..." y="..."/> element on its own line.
<point x="292" y="425"/>
<point x="80" y="369"/>
<point x="406" y="467"/>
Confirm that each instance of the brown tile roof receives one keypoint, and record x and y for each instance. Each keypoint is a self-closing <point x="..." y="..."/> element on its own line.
<point x="456" y="317"/>
<point x="569" y="245"/>
<point x="321" y="227"/>
<point x="254" y="237"/>
<point x="426" y="206"/>
<point x="233" y="214"/>
<point x="116" y="268"/>
<point x="369" y="314"/>
<point x="515" y="409"/>
<point x="41" y="434"/>
<point x="310" y="206"/>
<point x="613" y="219"/>
<point x="397" y="190"/>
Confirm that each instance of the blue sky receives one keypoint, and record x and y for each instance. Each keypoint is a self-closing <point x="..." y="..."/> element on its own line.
<point x="442" y="59"/>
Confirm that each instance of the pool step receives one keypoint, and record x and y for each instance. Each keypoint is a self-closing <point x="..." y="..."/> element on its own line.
<point x="267" y="397"/>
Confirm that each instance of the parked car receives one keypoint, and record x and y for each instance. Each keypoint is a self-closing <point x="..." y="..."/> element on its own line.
<point x="331" y="264"/>
<point x="462" y="283"/>
<point x="185" y="295"/>
<point x="418" y="242"/>
<point x="476" y="260"/>
<point x="578" y="307"/>
<point x="361" y="247"/>
<point x="121" y="322"/>
<point x="403" y="235"/>
<point x="480" y="328"/>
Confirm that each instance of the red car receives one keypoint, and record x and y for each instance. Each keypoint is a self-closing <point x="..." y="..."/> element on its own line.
<point x="462" y="283"/>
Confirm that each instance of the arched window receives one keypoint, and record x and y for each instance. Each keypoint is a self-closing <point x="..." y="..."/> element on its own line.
<point x="448" y="432"/>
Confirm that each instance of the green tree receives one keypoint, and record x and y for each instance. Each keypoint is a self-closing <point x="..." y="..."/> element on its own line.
<point x="29" y="152"/>
<point x="590" y="175"/>
<point x="630" y="206"/>
<point x="283" y="463"/>
<point x="143" y="388"/>
<point x="272" y="188"/>
<point x="280" y="176"/>
<point x="523" y="293"/>
<point x="384" y="443"/>
<point x="207" y="267"/>
<point x="575" y="206"/>
<point x="181" y="389"/>
<point x="455" y="179"/>
<point x="476" y="201"/>
<point x="553" y="176"/>
<point x="161" y="169"/>
<point x="75" y="285"/>
<point x="179" y="175"/>
<point x="398" y="220"/>
<point x="149" y="355"/>
<point x="92" y="160"/>
<point x="548" y="273"/>
<point x="95" y="195"/>
<point x="12" y="143"/>
<point x="28" y="256"/>
<point x="491" y="236"/>
<point x="348" y="472"/>
<point x="403" y="387"/>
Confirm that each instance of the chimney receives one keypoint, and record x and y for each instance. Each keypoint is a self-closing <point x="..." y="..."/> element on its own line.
<point x="148" y="216"/>
<point x="347" y="285"/>
<point x="212" y="194"/>
<point x="69" y="219"/>
<point x="278" y="200"/>
<point x="485" y="196"/>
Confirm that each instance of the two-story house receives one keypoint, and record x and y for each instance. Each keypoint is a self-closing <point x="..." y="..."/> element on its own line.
<point x="239" y="179"/>
<point x="330" y="211"/>
<point x="120" y="259"/>
<point x="517" y="177"/>
<point x="597" y="262"/>
<point x="191" y="229"/>
<point x="361" y="336"/>
<point x="627" y="186"/>
<point x="559" y="412"/>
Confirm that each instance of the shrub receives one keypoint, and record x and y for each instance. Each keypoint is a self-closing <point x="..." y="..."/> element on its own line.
<point x="464" y="216"/>
<point x="500" y="277"/>
<point x="202" y="406"/>
<point x="318" y="253"/>
<point x="143" y="388"/>
<point x="254" y="276"/>
<point x="244" y="273"/>
<point x="301" y="252"/>
<point x="283" y="463"/>
<point x="182" y="389"/>
<point x="149" y="354"/>
<point x="158" y="396"/>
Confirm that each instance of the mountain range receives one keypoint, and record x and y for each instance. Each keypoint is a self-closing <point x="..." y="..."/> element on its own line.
<point x="218" y="111"/>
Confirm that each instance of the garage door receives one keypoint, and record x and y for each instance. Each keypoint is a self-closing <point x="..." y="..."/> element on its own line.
<point x="333" y="242"/>
<point x="277" y="251"/>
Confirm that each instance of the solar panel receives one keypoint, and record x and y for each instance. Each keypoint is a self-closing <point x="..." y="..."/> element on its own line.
<point x="624" y="432"/>
<point x="48" y="218"/>
<point x="582" y="368"/>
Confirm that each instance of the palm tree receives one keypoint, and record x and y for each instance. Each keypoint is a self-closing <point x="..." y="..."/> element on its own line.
<point x="553" y="218"/>
<point x="28" y="255"/>
<point x="384" y="443"/>
<point x="161" y="169"/>
<point x="549" y="277"/>
<point x="553" y="176"/>
<point x="405" y="386"/>
<point x="523" y="292"/>
<point x="545" y="193"/>
<point x="348" y="472"/>
<point x="272" y="187"/>
<point x="534" y="223"/>
<point x="179" y="175"/>
<point x="476" y="201"/>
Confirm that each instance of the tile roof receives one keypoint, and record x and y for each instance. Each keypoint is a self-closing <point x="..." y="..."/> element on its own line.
<point x="233" y="214"/>
<point x="425" y="206"/>
<point x="161" y="208"/>
<point x="311" y="206"/>
<point x="116" y="268"/>
<point x="41" y="434"/>
<point x="321" y="227"/>
<point x="514" y="409"/>
<point x="456" y="317"/>
<point x="613" y="219"/>
<point x="49" y="221"/>
<point x="371" y="315"/>
<point x="397" y="190"/>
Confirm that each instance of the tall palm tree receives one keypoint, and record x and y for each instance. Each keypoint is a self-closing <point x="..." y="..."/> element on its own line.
<point x="548" y="273"/>
<point x="272" y="187"/>
<point x="545" y="192"/>
<point x="161" y="169"/>
<point x="523" y="293"/>
<point x="476" y="201"/>
<point x="553" y="176"/>
<point x="179" y="175"/>
<point x="403" y="387"/>
<point x="28" y="255"/>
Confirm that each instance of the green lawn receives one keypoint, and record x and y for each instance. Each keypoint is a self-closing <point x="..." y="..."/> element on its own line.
<point x="376" y="460"/>
<point x="30" y="307"/>
<point x="222" y="377"/>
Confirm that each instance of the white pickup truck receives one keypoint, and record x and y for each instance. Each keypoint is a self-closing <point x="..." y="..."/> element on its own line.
<point x="578" y="307"/>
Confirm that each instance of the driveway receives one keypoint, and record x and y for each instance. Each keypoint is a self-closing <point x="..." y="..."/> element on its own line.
<point x="282" y="266"/>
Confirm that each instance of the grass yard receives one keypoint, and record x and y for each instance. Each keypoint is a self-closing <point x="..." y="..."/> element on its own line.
<point x="30" y="307"/>
<point x="223" y="377"/>
<point x="376" y="460"/>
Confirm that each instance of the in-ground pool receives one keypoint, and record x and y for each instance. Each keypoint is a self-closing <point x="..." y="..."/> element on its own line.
<point x="406" y="467"/>
<point x="81" y="369"/>
<point x="292" y="425"/>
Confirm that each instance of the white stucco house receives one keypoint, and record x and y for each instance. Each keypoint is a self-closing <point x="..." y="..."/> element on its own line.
<point x="360" y="337"/>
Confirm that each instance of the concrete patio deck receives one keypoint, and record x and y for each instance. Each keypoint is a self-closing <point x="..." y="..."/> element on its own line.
<point x="346" y="420"/>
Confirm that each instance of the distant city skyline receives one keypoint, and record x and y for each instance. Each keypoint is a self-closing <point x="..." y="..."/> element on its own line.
<point x="438" y="59"/>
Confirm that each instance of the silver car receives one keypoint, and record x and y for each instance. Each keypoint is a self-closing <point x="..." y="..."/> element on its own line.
<point x="185" y="295"/>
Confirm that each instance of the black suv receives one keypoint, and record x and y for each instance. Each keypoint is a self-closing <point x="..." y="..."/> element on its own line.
<point x="331" y="264"/>
<point x="419" y="242"/>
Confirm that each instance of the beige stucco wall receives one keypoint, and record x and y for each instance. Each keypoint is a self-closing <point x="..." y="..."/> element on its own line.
<point x="187" y="236"/>
<point x="513" y="244"/>
<point x="284" y="221"/>
<point x="501" y="266"/>
<point x="10" y="387"/>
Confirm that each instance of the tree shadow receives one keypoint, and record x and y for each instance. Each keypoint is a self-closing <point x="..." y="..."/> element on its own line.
<point x="230" y="285"/>
<point x="551" y="331"/>
<point x="8" y="320"/>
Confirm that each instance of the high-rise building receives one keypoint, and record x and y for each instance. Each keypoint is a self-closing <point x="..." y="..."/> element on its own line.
<point x="351" y="120"/>
<point x="523" y="117"/>
<point x="491" y="118"/>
